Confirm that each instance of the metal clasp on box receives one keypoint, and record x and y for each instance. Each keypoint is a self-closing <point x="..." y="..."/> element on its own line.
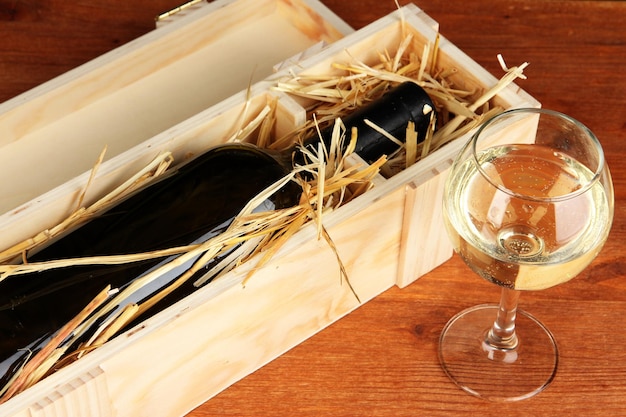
<point x="163" y="17"/>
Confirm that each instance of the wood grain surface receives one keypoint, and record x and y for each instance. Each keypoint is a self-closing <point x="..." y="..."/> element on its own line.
<point x="381" y="360"/>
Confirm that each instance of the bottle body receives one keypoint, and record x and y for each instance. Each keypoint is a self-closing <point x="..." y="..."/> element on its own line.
<point x="196" y="202"/>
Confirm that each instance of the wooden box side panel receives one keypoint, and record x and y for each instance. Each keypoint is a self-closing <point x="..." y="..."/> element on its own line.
<point x="425" y="245"/>
<point x="224" y="332"/>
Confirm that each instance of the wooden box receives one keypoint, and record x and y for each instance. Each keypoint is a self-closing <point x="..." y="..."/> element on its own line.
<point x="160" y="92"/>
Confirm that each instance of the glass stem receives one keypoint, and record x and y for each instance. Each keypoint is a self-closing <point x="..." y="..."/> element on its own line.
<point x="502" y="335"/>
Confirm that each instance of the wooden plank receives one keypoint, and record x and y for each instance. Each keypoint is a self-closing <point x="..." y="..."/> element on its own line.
<point x="423" y="231"/>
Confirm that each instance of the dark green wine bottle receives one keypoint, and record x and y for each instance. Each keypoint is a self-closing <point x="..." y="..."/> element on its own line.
<point x="190" y="205"/>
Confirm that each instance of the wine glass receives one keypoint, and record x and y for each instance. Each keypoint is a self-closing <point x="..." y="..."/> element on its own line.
<point x="528" y="205"/>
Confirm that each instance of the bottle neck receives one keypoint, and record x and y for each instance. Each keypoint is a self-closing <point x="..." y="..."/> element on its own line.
<point x="391" y="113"/>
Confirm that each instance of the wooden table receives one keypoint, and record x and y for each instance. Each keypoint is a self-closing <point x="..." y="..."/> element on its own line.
<point x="381" y="359"/>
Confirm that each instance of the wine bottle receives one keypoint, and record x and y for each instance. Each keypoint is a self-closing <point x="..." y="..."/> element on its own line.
<point x="193" y="203"/>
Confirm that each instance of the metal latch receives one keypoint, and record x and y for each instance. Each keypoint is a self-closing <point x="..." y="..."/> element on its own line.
<point x="185" y="6"/>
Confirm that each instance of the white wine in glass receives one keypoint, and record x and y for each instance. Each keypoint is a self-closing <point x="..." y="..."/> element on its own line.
<point x="528" y="205"/>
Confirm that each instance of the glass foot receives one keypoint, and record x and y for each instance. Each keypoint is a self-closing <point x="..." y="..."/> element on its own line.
<point x="497" y="374"/>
